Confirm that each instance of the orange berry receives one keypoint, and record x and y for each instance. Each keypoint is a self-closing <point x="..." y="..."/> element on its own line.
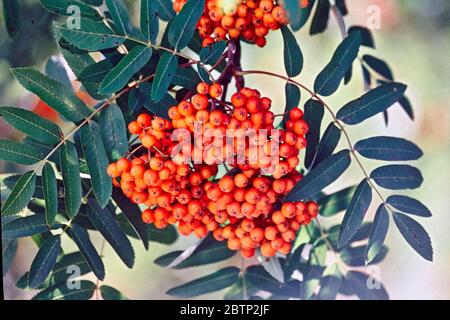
<point x="201" y="231"/>
<point x="248" y="253"/>
<point x="252" y="195"/>
<point x="288" y="236"/>
<point x="203" y="88"/>
<point x="228" y="232"/>
<point x="148" y="216"/>
<point x="234" y="243"/>
<point x="134" y="128"/>
<point x="312" y="208"/>
<point x="295" y="114"/>
<point x="285" y="248"/>
<point x="217" y="234"/>
<point x="112" y="170"/>
<point x="257" y="234"/>
<point x="123" y="165"/>
<point x="137" y="171"/>
<point x="300" y="127"/>
<point x="278" y="217"/>
<point x="226" y="184"/>
<point x="144" y="120"/>
<point x="288" y="210"/>
<point x="148" y="141"/>
<point x="247" y="225"/>
<point x="200" y="101"/>
<point x="215" y="90"/>
<point x="267" y="250"/>
<point x="194" y="207"/>
<point x="271" y="233"/>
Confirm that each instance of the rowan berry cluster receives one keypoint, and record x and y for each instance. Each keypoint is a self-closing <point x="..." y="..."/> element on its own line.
<point x="250" y="20"/>
<point x="244" y="206"/>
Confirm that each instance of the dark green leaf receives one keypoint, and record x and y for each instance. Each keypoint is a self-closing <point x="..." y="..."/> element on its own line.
<point x="331" y="76"/>
<point x="119" y="15"/>
<point x="50" y="188"/>
<point x="9" y="249"/>
<point x="149" y="20"/>
<point x="321" y="17"/>
<point x="355" y="256"/>
<point x="113" y="131"/>
<point x="354" y="215"/>
<point x="63" y="267"/>
<point x="259" y="278"/>
<point x="96" y="72"/>
<point x="203" y="74"/>
<point x="87" y="249"/>
<point x="70" y="8"/>
<point x="238" y="292"/>
<point x="318" y="254"/>
<point x="364" y="286"/>
<point x="19" y="153"/>
<point x="216" y="281"/>
<point x="298" y="16"/>
<point x="158" y="108"/>
<point x="327" y="144"/>
<point x="11" y="14"/>
<point x="183" y="25"/>
<point x="336" y="202"/>
<point x="388" y="148"/>
<point x="292" y="94"/>
<point x="63" y="292"/>
<point x="320" y="177"/>
<point x="377" y="234"/>
<point x="187" y="78"/>
<point x="415" y="235"/>
<point x="44" y="261"/>
<point x="406" y="105"/>
<point x="166" y="236"/>
<point x="397" y="177"/>
<point x="128" y="66"/>
<point x="52" y="93"/>
<point x="209" y="251"/>
<point x="61" y="272"/>
<point x="408" y="205"/>
<point x="109" y="293"/>
<point x="79" y="62"/>
<point x="330" y="283"/>
<point x="293" y="261"/>
<point x="165" y="9"/>
<point x="97" y="162"/>
<point x="273" y="267"/>
<point x="314" y="112"/>
<point x="56" y="70"/>
<point x="329" y="288"/>
<point x="70" y="170"/>
<point x="20" y="194"/>
<point x="91" y="36"/>
<point x="293" y="57"/>
<point x="212" y="53"/>
<point x="104" y="221"/>
<point x="379" y="66"/>
<point x="371" y="103"/>
<point x="24" y="227"/>
<point x="366" y="35"/>
<point x="95" y="3"/>
<point x="133" y="214"/>
<point x="164" y="74"/>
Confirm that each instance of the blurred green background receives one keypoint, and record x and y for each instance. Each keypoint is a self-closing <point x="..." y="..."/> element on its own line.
<point x="413" y="38"/>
